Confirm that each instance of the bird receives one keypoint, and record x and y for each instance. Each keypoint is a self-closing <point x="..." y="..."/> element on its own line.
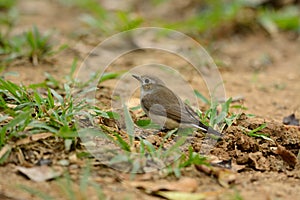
<point x="165" y="108"/>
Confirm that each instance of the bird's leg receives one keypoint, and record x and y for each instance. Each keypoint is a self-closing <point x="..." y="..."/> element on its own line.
<point x="164" y="129"/>
<point x="161" y="130"/>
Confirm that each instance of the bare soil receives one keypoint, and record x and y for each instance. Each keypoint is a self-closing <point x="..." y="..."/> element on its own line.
<point x="264" y="70"/>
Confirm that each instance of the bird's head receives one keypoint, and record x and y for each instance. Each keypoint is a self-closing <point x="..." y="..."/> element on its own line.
<point x="148" y="82"/>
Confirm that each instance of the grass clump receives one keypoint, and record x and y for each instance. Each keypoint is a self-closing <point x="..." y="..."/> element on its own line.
<point x="287" y="18"/>
<point x="104" y="21"/>
<point x="32" y="112"/>
<point x="32" y="44"/>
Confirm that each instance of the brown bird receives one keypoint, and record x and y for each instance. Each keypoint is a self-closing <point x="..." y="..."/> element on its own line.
<point x="165" y="108"/>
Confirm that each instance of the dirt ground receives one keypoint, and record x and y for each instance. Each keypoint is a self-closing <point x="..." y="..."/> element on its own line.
<point x="263" y="70"/>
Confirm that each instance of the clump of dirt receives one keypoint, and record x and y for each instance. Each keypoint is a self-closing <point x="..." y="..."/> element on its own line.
<point x="275" y="154"/>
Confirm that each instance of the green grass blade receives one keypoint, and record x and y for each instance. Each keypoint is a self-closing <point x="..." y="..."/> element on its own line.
<point x="57" y="96"/>
<point x="128" y="121"/>
<point x="201" y="97"/>
<point x="110" y="75"/>
<point x="123" y="144"/>
<point x="50" y="99"/>
<point x="258" y="128"/>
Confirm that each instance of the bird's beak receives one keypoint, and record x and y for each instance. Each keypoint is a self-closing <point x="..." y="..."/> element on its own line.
<point x="137" y="77"/>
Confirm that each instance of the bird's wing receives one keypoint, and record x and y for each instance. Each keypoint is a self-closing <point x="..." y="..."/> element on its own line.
<point x="171" y="107"/>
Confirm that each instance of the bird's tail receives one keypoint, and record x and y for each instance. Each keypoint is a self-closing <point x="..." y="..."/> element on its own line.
<point x="209" y="130"/>
<point x="200" y="125"/>
<point x="214" y="132"/>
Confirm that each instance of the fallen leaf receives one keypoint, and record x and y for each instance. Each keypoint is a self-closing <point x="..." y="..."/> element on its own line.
<point x="40" y="173"/>
<point x="33" y="138"/>
<point x="205" y="169"/>
<point x="181" y="195"/>
<point x="184" y="185"/>
<point x="4" y="152"/>
<point x="286" y="155"/>
<point x="225" y="176"/>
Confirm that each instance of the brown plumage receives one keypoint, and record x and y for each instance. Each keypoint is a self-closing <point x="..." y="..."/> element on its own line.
<point x="163" y="106"/>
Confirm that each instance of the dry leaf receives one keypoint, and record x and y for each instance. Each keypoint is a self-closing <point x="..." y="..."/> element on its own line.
<point x="181" y="195"/>
<point x="184" y="185"/>
<point x="225" y="176"/>
<point x="40" y="173"/>
<point x="287" y="155"/>
<point x="5" y="150"/>
<point x="33" y="138"/>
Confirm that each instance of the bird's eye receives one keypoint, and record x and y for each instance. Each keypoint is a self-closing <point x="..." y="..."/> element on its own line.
<point x="147" y="80"/>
